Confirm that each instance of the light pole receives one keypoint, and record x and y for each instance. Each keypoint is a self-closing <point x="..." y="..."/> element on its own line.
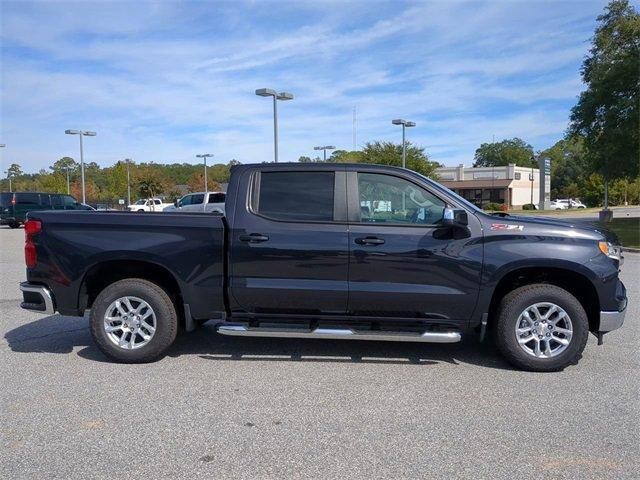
<point x="324" y="149"/>
<point x="128" y="160"/>
<point x="81" y="133"/>
<point x="405" y="124"/>
<point x="204" y="156"/>
<point x="67" y="169"/>
<point x="268" y="92"/>
<point x="9" y="177"/>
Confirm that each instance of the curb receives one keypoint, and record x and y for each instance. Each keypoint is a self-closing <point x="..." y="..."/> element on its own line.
<point x="631" y="250"/>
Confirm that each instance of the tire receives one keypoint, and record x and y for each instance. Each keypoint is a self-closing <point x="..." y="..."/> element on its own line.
<point x="163" y="319"/>
<point x="14" y="225"/>
<point x="140" y="210"/>
<point x="511" y="315"/>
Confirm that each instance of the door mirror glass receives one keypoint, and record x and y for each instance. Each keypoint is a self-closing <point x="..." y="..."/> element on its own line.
<point x="455" y="217"/>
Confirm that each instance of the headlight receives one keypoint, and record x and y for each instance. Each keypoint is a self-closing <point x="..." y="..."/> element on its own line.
<point x="611" y="250"/>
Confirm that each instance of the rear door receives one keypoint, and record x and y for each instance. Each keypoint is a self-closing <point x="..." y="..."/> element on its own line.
<point x="403" y="262"/>
<point x="289" y="242"/>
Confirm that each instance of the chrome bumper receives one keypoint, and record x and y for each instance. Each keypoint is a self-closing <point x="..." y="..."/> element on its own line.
<point x="611" y="320"/>
<point x="37" y="298"/>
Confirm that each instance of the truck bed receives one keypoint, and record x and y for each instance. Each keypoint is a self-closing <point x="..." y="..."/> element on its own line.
<point x="76" y="249"/>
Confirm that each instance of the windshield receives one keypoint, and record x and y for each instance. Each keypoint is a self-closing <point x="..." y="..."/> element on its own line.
<point x="140" y="202"/>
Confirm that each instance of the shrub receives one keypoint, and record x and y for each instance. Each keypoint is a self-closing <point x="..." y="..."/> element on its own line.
<point x="493" y="207"/>
<point x="528" y="206"/>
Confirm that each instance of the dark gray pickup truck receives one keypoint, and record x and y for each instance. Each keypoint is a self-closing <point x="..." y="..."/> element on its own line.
<point x="329" y="251"/>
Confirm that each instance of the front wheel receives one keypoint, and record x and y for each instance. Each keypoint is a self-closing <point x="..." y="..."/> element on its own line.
<point x="541" y="328"/>
<point x="133" y="321"/>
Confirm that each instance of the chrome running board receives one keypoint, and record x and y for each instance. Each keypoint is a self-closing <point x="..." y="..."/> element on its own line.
<point x="340" y="334"/>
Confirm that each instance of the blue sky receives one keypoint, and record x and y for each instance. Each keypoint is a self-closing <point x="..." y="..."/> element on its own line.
<point x="161" y="81"/>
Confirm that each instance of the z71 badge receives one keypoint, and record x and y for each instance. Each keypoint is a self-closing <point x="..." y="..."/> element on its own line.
<point x="507" y="226"/>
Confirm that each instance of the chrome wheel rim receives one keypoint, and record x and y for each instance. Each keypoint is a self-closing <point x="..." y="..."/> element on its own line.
<point x="130" y="322"/>
<point x="544" y="330"/>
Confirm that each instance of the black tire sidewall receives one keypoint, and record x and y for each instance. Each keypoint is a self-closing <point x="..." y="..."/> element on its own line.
<point x="166" y="320"/>
<point x="514" y="304"/>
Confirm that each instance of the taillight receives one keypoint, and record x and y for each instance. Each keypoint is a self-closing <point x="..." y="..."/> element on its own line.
<point x="13" y="199"/>
<point x="31" y="228"/>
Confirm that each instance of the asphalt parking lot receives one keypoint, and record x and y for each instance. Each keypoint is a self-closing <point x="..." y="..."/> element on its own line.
<point x="221" y="407"/>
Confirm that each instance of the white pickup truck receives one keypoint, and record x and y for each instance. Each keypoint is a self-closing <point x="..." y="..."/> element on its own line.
<point x="209" y="202"/>
<point x="148" y="205"/>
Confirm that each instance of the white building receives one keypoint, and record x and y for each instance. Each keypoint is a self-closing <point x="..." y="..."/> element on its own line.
<point x="510" y="185"/>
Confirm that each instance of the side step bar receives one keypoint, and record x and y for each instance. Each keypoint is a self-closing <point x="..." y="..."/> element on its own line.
<point x="340" y="334"/>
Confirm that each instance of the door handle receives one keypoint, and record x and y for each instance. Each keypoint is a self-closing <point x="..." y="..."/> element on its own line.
<point x="254" y="238"/>
<point x="369" y="241"/>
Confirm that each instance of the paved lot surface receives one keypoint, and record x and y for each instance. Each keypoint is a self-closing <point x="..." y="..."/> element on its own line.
<point x="221" y="407"/>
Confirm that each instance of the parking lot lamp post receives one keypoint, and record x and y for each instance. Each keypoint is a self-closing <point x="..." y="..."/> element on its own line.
<point x="324" y="149"/>
<point x="81" y="133"/>
<point x="128" y="160"/>
<point x="204" y="156"/>
<point x="268" y="92"/>
<point x="9" y="177"/>
<point x="405" y="124"/>
<point x="67" y="169"/>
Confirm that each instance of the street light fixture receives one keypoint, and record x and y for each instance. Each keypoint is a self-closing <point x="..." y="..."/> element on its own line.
<point x="81" y="133"/>
<point x="204" y="156"/>
<point x="405" y="124"/>
<point x="268" y="92"/>
<point x="324" y="149"/>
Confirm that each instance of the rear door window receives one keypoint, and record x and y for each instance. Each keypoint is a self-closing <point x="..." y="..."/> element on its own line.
<point x="28" y="199"/>
<point x="216" y="197"/>
<point x="295" y="196"/>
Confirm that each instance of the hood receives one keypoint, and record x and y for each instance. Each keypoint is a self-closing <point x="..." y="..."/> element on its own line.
<point x="556" y="227"/>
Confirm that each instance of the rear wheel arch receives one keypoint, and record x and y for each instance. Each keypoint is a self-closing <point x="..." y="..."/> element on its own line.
<point x="100" y="275"/>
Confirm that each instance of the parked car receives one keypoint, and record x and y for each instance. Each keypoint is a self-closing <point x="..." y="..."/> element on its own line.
<point x="209" y="202"/>
<point x="148" y="205"/>
<point x="297" y="256"/>
<point x="14" y="206"/>
<point x="558" y="205"/>
<point x="572" y="203"/>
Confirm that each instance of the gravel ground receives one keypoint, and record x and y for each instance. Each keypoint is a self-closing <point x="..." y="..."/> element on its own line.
<point x="220" y="407"/>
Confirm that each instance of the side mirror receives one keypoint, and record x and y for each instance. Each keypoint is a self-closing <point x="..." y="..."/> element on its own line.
<point x="175" y="203"/>
<point x="455" y="217"/>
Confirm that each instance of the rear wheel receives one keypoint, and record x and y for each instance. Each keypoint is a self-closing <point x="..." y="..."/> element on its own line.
<point x="14" y="224"/>
<point x="133" y="321"/>
<point x="542" y="328"/>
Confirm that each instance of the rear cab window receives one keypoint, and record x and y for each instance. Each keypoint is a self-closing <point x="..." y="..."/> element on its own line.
<point x="306" y="196"/>
<point x="217" y="198"/>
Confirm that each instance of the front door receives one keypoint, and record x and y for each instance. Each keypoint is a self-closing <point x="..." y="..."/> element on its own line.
<point x="403" y="262"/>
<point x="289" y="243"/>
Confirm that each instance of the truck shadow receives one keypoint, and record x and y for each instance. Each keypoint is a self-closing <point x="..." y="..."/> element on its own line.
<point x="59" y="334"/>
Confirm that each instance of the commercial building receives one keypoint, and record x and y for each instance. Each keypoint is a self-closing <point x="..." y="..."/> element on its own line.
<point x="511" y="185"/>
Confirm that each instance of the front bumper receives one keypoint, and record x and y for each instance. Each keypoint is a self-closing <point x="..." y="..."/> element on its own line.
<point x="611" y="320"/>
<point x="37" y="298"/>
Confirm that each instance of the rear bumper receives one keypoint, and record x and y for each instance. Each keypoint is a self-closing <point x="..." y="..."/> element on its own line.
<point x="37" y="298"/>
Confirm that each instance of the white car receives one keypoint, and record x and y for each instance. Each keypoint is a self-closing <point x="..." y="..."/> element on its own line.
<point x="148" y="205"/>
<point x="558" y="205"/>
<point x="572" y="203"/>
<point x="209" y="202"/>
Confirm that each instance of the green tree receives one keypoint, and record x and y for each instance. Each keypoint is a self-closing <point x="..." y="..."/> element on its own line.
<point x="345" y="156"/>
<point x="608" y="111"/>
<point x="150" y="181"/>
<point x="60" y="166"/>
<point x="14" y="170"/>
<point x="503" y="153"/>
<point x="569" y="166"/>
<point x="389" y="153"/>
<point x="304" y="159"/>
